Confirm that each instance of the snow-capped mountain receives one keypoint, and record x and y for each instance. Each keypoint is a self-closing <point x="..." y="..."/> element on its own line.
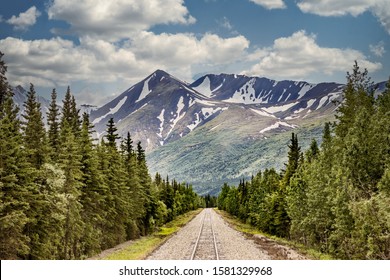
<point x="220" y="128"/>
<point x="158" y="110"/>
<point x="255" y="90"/>
<point x="162" y="109"/>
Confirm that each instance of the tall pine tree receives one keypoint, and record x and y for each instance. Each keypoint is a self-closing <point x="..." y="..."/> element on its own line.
<point x="53" y="123"/>
<point x="14" y="177"/>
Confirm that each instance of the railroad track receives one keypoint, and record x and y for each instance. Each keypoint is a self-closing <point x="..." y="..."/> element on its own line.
<point x="205" y="247"/>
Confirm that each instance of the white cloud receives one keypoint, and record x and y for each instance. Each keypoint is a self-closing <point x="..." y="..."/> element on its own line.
<point x="299" y="56"/>
<point x="59" y="62"/>
<point x="380" y="8"/>
<point x="117" y="19"/>
<point x="270" y="4"/>
<point x="334" y="7"/>
<point x="25" y="20"/>
<point x="378" y="49"/>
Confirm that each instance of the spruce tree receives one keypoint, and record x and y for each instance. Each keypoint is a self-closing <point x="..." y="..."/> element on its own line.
<point x="5" y="90"/>
<point x="136" y="196"/>
<point x="146" y="190"/>
<point x="70" y="162"/>
<point x="112" y="135"/>
<point x="52" y="122"/>
<point x="294" y="154"/>
<point x="115" y="178"/>
<point x="14" y="177"/>
<point x="70" y="114"/>
<point x="93" y="191"/>
<point x="34" y="131"/>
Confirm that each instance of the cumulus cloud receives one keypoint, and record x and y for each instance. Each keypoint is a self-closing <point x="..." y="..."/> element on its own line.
<point x="380" y="8"/>
<point x="299" y="56"/>
<point x="114" y="20"/>
<point x="25" y="20"/>
<point x="57" y="61"/>
<point x="270" y="4"/>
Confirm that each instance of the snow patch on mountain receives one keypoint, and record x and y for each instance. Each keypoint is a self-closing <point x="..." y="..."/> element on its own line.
<point x="283" y="108"/>
<point x="204" y="102"/>
<point x="161" y="118"/>
<point x="310" y="102"/>
<point x="246" y="94"/>
<point x="112" y="110"/>
<point x="145" y="90"/>
<point x="322" y="102"/>
<point x="205" y="87"/>
<point x="277" y="125"/>
<point x="262" y="113"/>
<point x="304" y="90"/>
<point x="178" y="116"/>
<point x="195" y="123"/>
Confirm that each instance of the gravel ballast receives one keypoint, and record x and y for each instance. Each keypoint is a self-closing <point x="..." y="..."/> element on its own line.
<point x="231" y="244"/>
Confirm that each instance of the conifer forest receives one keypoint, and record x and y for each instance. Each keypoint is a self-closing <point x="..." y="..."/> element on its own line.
<point x="334" y="197"/>
<point x="66" y="195"/>
<point x="63" y="196"/>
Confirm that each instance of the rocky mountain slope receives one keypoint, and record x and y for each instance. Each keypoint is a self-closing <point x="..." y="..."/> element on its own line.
<point x="220" y="128"/>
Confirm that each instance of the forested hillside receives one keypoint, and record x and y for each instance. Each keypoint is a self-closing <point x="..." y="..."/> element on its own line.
<point x="64" y="197"/>
<point x="336" y="197"/>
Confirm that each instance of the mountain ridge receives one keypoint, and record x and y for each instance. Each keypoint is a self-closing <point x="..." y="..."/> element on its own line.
<point x="221" y="127"/>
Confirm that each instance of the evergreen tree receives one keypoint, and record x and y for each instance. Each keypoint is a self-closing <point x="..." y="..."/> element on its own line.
<point x="147" y="221"/>
<point x="294" y="154"/>
<point x="52" y="122"/>
<point x="93" y="192"/>
<point x="66" y="115"/>
<point x="14" y="177"/>
<point x="70" y="163"/>
<point x="112" y="135"/>
<point x="114" y="177"/>
<point x="70" y="114"/>
<point x="34" y="131"/>
<point x="136" y="194"/>
<point x="5" y="90"/>
<point x="75" y="113"/>
<point x="35" y="142"/>
<point x="313" y="151"/>
<point x="358" y="94"/>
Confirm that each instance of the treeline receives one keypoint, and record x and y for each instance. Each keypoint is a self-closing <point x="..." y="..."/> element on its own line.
<point x="336" y="197"/>
<point x="64" y="197"/>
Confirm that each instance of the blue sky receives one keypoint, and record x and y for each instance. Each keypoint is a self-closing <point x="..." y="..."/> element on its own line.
<point x="100" y="48"/>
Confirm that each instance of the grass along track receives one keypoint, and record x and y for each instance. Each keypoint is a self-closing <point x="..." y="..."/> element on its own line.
<point x="140" y="248"/>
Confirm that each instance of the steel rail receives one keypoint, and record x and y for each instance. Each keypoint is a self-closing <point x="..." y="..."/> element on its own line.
<point x="200" y="234"/>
